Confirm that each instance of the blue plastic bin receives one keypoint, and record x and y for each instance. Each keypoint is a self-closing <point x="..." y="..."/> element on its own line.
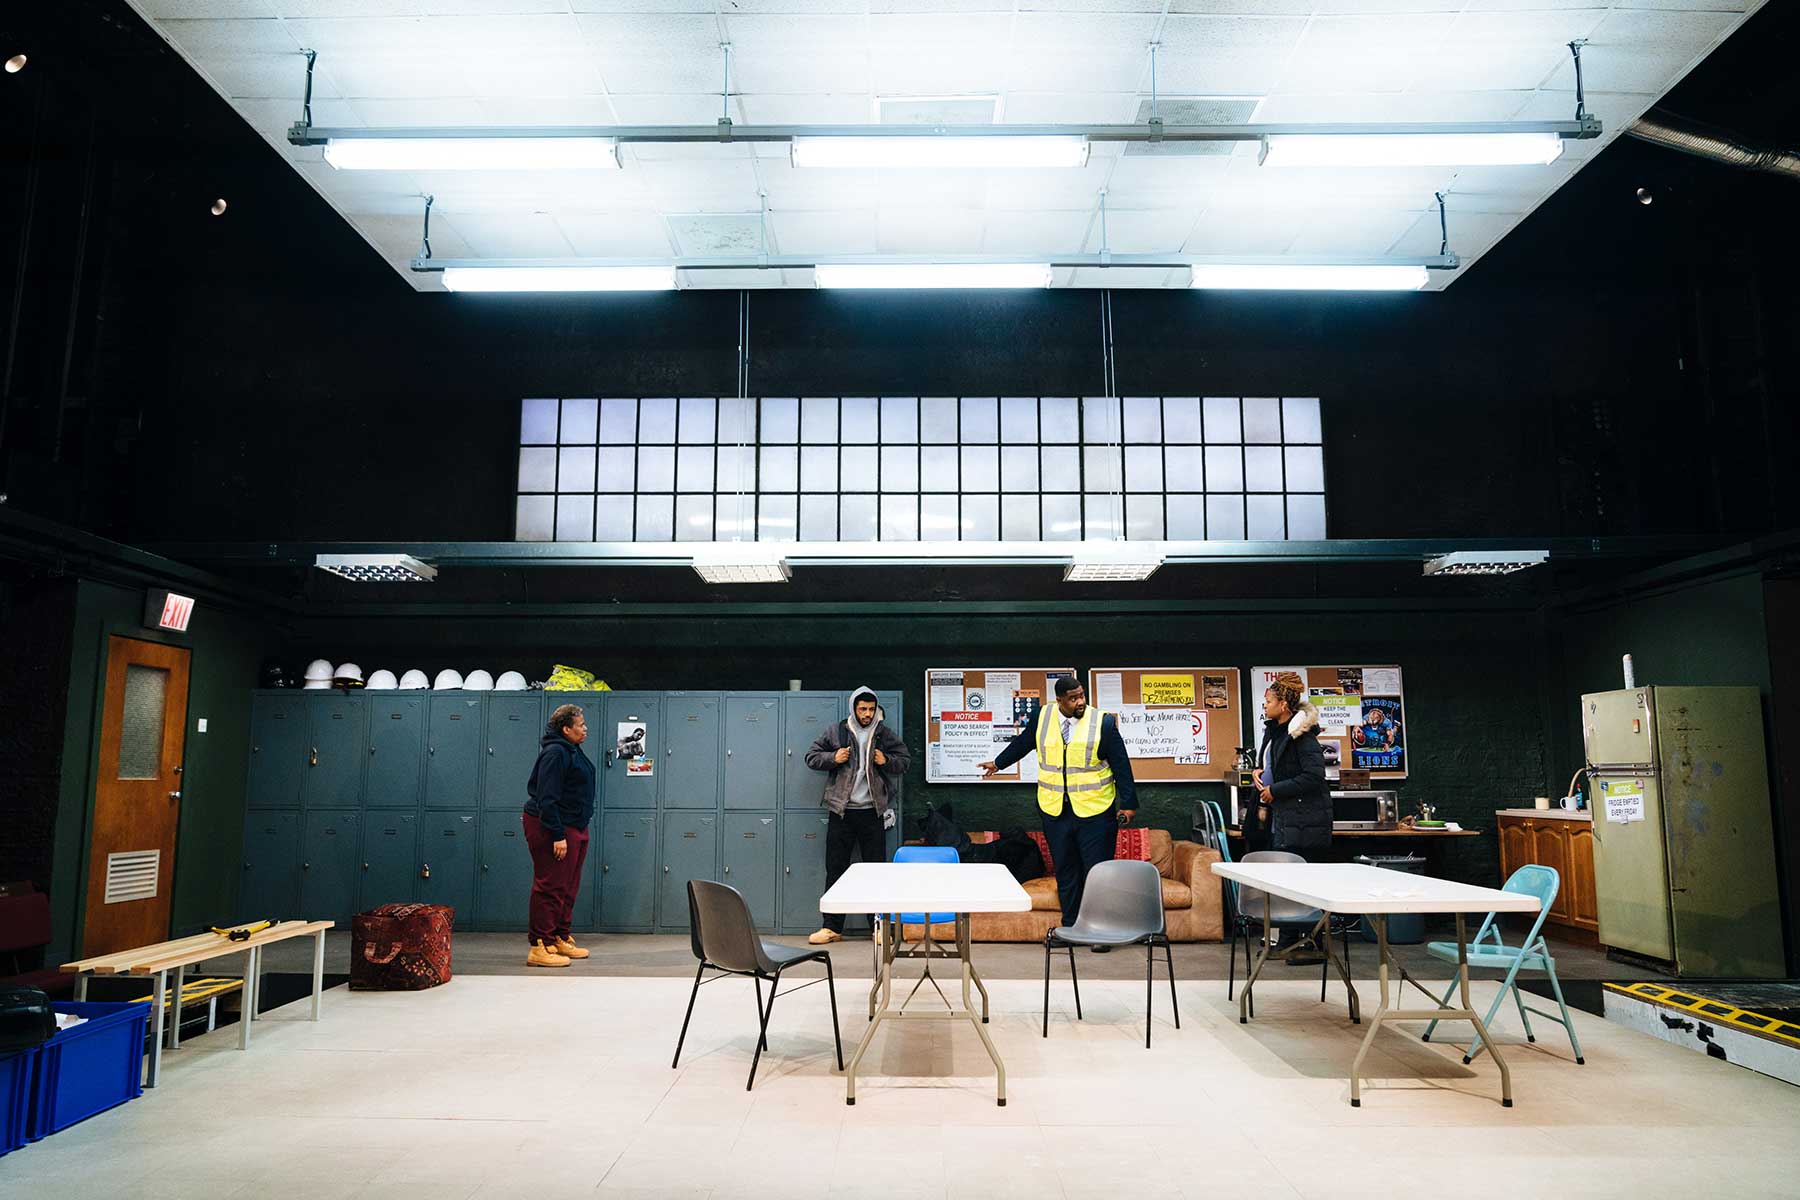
<point x="1404" y="929"/>
<point x="15" y="1097"/>
<point x="90" y="1068"/>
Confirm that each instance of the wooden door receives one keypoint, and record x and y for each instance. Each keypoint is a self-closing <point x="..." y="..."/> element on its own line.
<point x="1550" y="842"/>
<point x="1515" y="846"/>
<point x="1584" y="905"/>
<point x="137" y="799"/>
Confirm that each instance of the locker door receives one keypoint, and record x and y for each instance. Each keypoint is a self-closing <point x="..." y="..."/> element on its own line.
<point x="389" y="858"/>
<point x="631" y="711"/>
<point x="515" y="725"/>
<point x="751" y="856"/>
<point x="270" y="890"/>
<point x="453" y="751"/>
<point x="331" y="861"/>
<point x="752" y="752"/>
<point x="396" y="744"/>
<point x="447" y="846"/>
<point x="802" y="870"/>
<point x="278" y="751"/>
<point x="337" y="746"/>
<point x="690" y="765"/>
<point x="505" y="894"/>
<point x="690" y="851"/>
<point x="803" y="719"/>
<point x="628" y="871"/>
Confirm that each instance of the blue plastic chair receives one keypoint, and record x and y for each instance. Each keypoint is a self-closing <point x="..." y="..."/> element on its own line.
<point x="1490" y="950"/>
<point x="935" y="854"/>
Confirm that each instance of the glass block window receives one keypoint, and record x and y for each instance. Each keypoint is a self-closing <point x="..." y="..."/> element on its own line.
<point x="921" y="468"/>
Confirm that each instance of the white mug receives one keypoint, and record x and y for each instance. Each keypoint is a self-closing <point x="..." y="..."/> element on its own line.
<point x="1570" y="802"/>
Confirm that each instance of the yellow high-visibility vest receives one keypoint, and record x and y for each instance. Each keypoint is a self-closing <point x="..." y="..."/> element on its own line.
<point x="1075" y="770"/>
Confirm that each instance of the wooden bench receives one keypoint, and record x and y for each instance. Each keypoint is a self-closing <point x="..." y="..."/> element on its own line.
<point x="157" y="961"/>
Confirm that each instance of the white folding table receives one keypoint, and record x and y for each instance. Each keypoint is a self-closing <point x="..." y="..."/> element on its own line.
<point x="1352" y="889"/>
<point x="886" y="890"/>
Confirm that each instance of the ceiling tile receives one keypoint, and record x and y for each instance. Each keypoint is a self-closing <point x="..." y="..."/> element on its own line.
<point x="1426" y="236"/>
<point x="243" y="36"/>
<point x="1225" y="55"/>
<point x="546" y="110"/>
<point x="1155" y="181"/>
<point x="260" y="76"/>
<point x="842" y="108"/>
<point x="799" y="53"/>
<point x="655" y="53"/>
<point x="507" y="235"/>
<point x="1642" y="51"/>
<point x="1391" y="106"/>
<point x="1046" y="187"/>
<point x="615" y="234"/>
<point x="1344" y="231"/>
<point x="1276" y="8"/>
<point x="1143" y="231"/>
<point x="1080" y="52"/>
<point x="929" y="230"/>
<point x="694" y="109"/>
<point x="398" y="237"/>
<point x="441" y="111"/>
<point x="303" y="9"/>
<point x="718" y="233"/>
<point x="835" y="231"/>
<point x="203" y="8"/>
<point x="516" y="74"/>
<point x="1068" y="108"/>
<point x="393" y="77"/>
<point x="1232" y="231"/>
<point x="1035" y="232"/>
<point x="387" y="193"/>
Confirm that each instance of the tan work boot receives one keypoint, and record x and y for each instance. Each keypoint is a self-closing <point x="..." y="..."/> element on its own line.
<point x="821" y="937"/>
<point x="568" y="949"/>
<point x="542" y="956"/>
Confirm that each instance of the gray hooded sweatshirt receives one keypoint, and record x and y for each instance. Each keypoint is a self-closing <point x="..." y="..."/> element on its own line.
<point x="859" y="782"/>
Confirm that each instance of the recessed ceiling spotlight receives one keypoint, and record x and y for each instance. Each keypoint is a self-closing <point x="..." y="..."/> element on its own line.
<point x="218" y="207"/>
<point x="15" y="64"/>
<point x="1644" y="196"/>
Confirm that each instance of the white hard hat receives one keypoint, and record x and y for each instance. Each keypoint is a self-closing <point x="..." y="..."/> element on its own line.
<point x="510" y="681"/>
<point x="478" y="681"/>
<point x="318" y="676"/>
<point x="414" y="680"/>
<point x="382" y="681"/>
<point x="447" y="681"/>
<point x="347" y="675"/>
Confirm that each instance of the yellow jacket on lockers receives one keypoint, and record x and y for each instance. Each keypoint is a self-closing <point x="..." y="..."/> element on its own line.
<point x="1075" y="770"/>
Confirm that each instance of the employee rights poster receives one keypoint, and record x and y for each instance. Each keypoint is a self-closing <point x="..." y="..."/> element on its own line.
<point x="1379" y="743"/>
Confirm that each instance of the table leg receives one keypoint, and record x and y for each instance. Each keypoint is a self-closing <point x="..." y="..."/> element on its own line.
<point x="247" y="999"/>
<point x="885" y="980"/>
<point x="158" y="989"/>
<point x="175" y="1008"/>
<point x="1462" y="979"/>
<point x="1343" y="970"/>
<point x="1362" y="1052"/>
<point x="318" y="971"/>
<point x="1256" y="971"/>
<point x="967" y="946"/>
<point x="963" y="941"/>
<point x="256" y="966"/>
<point x="81" y="981"/>
<point x="878" y="940"/>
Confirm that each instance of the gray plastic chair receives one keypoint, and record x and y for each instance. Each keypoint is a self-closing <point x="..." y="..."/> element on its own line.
<point x="1247" y="904"/>
<point x="724" y="937"/>
<point x="1121" y="905"/>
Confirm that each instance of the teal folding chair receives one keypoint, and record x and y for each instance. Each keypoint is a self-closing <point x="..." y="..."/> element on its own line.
<point x="1489" y="949"/>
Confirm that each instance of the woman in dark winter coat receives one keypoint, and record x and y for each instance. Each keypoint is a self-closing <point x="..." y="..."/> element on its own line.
<point x="1293" y="803"/>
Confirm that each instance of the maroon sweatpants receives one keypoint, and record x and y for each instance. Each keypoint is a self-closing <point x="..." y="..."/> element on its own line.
<point x="554" y="881"/>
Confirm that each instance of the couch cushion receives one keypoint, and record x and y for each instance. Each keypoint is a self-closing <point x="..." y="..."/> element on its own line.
<point x="1042" y="891"/>
<point x="1162" y="852"/>
<point x="1176" y="894"/>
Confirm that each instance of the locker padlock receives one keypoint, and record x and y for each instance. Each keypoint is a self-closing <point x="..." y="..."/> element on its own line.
<point x="425" y="871"/>
<point x="315" y="757"/>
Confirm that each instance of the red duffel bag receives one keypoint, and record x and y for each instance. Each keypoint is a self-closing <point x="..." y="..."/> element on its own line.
<point x="401" y="947"/>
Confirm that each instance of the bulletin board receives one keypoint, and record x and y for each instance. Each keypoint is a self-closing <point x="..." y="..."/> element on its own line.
<point x="1180" y="724"/>
<point x="1362" y="716"/>
<point x="991" y="705"/>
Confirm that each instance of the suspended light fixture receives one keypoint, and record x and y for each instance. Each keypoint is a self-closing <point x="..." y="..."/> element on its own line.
<point x="471" y="153"/>
<point x="1113" y="562"/>
<point x="1297" y="277"/>
<point x="376" y="568"/>
<point x="559" y="279"/>
<point x="932" y="275"/>
<point x="1485" y="562"/>
<point x="730" y="562"/>
<point x="1413" y="150"/>
<point x="939" y="150"/>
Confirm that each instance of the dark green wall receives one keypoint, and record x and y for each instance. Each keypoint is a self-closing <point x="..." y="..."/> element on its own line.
<point x="227" y="647"/>
<point x="1475" y="679"/>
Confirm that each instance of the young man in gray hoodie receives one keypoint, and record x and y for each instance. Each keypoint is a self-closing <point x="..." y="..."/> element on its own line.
<point x="861" y="757"/>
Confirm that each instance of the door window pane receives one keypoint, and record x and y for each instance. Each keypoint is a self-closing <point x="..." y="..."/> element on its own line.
<point x="1186" y="517"/>
<point x="1143" y="468"/>
<point x="1103" y="516"/>
<point x="535" y="519"/>
<point x="1225" y="518"/>
<point x="575" y="469"/>
<point x="1019" y="518"/>
<point x="1181" y="419"/>
<point x="617" y="469"/>
<point x="776" y="519"/>
<point x="1306" y="518"/>
<point x="1222" y="423"/>
<point x="141" y="722"/>
<point x="1300" y="420"/>
<point x="980" y="518"/>
<point x="779" y="471"/>
<point x="1267" y="518"/>
<point x="1305" y="468"/>
<point x="1100" y="420"/>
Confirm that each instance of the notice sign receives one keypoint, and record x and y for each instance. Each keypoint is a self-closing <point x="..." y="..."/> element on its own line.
<point x="1622" y="800"/>
<point x="965" y="741"/>
<point x="1167" y="689"/>
<point x="944" y="692"/>
<point x="1337" y="714"/>
<point x="1177" y="734"/>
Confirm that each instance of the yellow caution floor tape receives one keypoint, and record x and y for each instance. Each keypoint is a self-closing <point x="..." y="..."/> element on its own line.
<point x="1715" y="1011"/>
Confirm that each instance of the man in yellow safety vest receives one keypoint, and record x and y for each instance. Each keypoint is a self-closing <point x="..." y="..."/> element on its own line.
<point x="1084" y="789"/>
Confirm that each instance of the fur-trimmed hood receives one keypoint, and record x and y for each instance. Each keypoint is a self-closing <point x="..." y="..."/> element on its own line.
<point x="1307" y="718"/>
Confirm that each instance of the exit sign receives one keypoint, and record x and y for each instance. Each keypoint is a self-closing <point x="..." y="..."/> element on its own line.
<point x="167" y="610"/>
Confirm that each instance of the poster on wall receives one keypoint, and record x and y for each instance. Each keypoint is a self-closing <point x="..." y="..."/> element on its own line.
<point x="630" y="747"/>
<point x="1378" y="743"/>
<point x="973" y="713"/>
<point x="1362" y="715"/>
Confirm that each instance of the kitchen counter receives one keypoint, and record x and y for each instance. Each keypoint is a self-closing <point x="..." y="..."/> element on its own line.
<point x="1551" y="814"/>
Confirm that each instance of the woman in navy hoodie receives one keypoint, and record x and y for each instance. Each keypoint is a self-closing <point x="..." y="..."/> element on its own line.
<point x="558" y="808"/>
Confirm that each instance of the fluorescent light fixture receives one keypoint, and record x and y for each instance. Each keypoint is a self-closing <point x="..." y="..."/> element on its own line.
<point x="1301" y="277"/>
<point x="376" y="568"/>
<point x="1485" y="562"/>
<point x="472" y="154"/>
<point x="932" y="275"/>
<point x="1112" y="563"/>
<point x="1413" y="150"/>
<point x="941" y="150"/>
<point x="740" y="563"/>
<point x="559" y="279"/>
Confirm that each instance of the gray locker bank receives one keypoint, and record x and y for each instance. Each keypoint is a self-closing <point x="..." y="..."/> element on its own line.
<point x="361" y="799"/>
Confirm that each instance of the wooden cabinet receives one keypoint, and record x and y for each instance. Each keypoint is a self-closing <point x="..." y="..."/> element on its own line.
<point x="1565" y="845"/>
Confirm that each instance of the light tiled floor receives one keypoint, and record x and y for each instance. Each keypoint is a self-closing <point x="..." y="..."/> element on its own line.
<point x="559" y="1085"/>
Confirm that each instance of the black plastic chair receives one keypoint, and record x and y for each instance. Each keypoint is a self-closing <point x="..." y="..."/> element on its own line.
<point x="1121" y="905"/>
<point x="724" y="937"/>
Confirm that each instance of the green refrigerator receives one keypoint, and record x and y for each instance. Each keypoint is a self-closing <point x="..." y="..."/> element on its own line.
<point x="1684" y="847"/>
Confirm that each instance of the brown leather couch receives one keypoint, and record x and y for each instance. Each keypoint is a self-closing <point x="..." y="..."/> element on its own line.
<point x="1193" y="906"/>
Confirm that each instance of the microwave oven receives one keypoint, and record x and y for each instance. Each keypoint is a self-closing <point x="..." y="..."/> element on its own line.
<point x="1365" y="810"/>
